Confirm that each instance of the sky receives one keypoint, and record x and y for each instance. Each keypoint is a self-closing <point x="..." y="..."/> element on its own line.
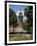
<point x="17" y="8"/>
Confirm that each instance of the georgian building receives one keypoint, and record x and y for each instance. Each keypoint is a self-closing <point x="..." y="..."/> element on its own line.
<point x="20" y="16"/>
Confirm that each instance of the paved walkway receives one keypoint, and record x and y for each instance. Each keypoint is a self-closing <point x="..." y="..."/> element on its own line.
<point x="17" y="29"/>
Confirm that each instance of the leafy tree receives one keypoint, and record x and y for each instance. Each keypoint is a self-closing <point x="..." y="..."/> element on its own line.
<point x="12" y="18"/>
<point x="24" y="25"/>
<point x="28" y="12"/>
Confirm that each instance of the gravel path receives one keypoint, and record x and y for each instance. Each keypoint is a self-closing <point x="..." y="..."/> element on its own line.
<point x="16" y="29"/>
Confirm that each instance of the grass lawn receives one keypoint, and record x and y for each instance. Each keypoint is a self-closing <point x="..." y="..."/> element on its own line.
<point x="17" y="37"/>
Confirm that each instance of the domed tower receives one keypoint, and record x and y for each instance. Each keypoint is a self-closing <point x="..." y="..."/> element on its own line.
<point x="20" y="15"/>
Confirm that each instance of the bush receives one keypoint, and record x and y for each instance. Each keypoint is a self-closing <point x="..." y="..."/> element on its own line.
<point x="26" y="26"/>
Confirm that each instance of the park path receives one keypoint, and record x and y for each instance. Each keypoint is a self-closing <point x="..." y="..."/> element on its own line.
<point x="17" y="29"/>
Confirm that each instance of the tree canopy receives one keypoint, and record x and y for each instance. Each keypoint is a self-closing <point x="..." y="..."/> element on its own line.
<point x="28" y="12"/>
<point x="12" y="17"/>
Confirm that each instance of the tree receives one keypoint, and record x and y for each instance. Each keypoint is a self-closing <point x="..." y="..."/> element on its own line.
<point x="28" y="12"/>
<point x="12" y="18"/>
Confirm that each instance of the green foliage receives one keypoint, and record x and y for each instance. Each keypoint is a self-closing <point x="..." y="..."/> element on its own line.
<point x="25" y="25"/>
<point x="17" y="37"/>
<point x="28" y="12"/>
<point x="12" y="17"/>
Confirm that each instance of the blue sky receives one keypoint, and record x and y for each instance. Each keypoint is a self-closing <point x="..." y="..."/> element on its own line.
<point x="17" y="8"/>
